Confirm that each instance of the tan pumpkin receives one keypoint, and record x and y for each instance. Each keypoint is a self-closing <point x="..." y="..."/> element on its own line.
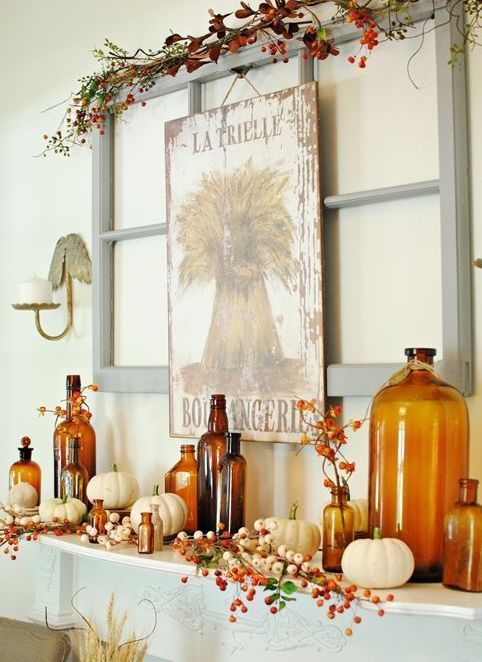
<point x="378" y="562"/>
<point x="298" y="535"/>
<point x="117" y="489"/>
<point x="360" y="508"/>
<point x="72" y="510"/>
<point x="172" y="510"/>
<point x="23" y="494"/>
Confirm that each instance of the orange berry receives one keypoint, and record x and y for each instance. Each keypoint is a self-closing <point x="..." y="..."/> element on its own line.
<point x="380" y="612"/>
<point x="389" y="597"/>
<point x="348" y="632"/>
<point x="357" y="619"/>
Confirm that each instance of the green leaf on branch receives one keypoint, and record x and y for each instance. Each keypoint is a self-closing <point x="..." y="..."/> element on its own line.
<point x="289" y="588"/>
<point x="271" y="585"/>
<point x="282" y="605"/>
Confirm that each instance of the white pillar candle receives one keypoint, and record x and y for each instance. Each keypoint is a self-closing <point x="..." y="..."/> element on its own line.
<point x="35" y="290"/>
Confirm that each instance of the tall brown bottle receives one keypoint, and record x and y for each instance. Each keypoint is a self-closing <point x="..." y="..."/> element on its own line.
<point x="182" y="480"/>
<point x="69" y="427"/>
<point x="25" y="470"/>
<point x="418" y="452"/>
<point x="232" y="482"/>
<point x="211" y="447"/>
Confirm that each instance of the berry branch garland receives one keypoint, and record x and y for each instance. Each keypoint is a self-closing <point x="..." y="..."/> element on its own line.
<point x="123" y="76"/>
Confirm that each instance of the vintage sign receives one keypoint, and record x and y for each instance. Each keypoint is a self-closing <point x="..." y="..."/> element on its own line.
<point x="245" y="264"/>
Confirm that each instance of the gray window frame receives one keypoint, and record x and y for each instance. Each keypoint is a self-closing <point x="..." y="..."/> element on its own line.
<point x="343" y="380"/>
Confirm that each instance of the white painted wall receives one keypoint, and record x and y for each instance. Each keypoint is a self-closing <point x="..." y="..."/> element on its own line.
<point x="377" y="130"/>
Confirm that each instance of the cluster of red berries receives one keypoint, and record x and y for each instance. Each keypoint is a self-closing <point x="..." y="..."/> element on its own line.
<point x="369" y="38"/>
<point x="276" y="48"/>
<point x="10" y="537"/>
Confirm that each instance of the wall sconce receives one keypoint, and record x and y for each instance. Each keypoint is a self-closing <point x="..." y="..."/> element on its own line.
<point x="70" y="260"/>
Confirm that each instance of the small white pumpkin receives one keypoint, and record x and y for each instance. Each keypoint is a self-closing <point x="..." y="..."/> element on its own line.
<point x="117" y="489"/>
<point x="298" y="535"/>
<point x="23" y="494"/>
<point x="172" y="511"/>
<point x="378" y="562"/>
<point x="360" y="508"/>
<point x="72" y="510"/>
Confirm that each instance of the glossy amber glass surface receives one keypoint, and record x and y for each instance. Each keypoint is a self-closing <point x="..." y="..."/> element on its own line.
<point x="232" y="484"/>
<point x="74" y="477"/>
<point x="26" y="471"/>
<point x="338" y="529"/>
<point x="211" y="447"/>
<point x="145" y="539"/>
<point x="182" y="480"/>
<point x="462" y="563"/>
<point x="418" y="452"/>
<point x="98" y="519"/>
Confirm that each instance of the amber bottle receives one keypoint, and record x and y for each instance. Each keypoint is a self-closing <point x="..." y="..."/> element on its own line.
<point x="232" y="482"/>
<point x="182" y="480"/>
<point x="73" y="426"/>
<point x="98" y="519"/>
<point x="211" y="447"/>
<point x="338" y="528"/>
<point x="418" y="452"/>
<point x="145" y="539"/>
<point x="158" y="527"/>
<point x="25" y="470"/>
<point x="74" y="476"/>
<point x="462" y="563"/>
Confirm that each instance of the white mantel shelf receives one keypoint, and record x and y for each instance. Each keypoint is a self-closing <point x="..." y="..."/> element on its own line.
<point x="411" y="599"/>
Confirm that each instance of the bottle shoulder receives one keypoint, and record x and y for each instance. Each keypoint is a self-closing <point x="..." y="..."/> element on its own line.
<point x="418" y="386"/>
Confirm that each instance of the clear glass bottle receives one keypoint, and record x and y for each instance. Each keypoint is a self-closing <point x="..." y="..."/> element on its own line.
<point x="25" y="470"/>
<point x="462" y="563"/>
<point x="158" y="528"/>
<point x="338" y="528"/>
<point x="211" y="447"/>
<point x="98" y="519"/>
<point x="74" y="476"/>
<point x="145" y="539"/>
<point x="232" y="483"/>
<point x="182" y="480"/>
<point x="73" y="426"/>
<point x="418" y="451"/>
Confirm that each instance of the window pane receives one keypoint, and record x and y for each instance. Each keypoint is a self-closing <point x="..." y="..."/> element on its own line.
<point x="140" y="302"/>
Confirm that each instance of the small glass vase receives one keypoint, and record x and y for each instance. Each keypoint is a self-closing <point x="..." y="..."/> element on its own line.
<point x="338" y="528"/>
<point x="145" y="539"/>
<point x="98" y="519"/>
<point x="462" y="563"/>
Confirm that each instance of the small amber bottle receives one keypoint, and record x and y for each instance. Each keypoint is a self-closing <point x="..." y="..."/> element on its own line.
<point x="182" y="480"/>
<point x="25" y="470"/>
<point x="338" y="528"/>
<point x="462" y="560"/>
<point x="145" y="540"/>
<point x="98" y="519"/>
<point x="74" y="476"/>
<point x="211" y="447"/>
<point x="232" y="482"/>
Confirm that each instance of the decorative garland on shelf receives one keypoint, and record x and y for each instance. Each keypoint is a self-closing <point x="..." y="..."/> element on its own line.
<point x="124" y="77"/>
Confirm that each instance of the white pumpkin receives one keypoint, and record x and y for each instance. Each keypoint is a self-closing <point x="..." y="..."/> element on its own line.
<point x="360" y="508"/>
<point x="117" y="489"/>
<point x="298" y="535"/>
<point x="23" y="494"/>
<point x="378" y="562"/>
<point x="172" y="511"/>
<point x="72" y="510"/>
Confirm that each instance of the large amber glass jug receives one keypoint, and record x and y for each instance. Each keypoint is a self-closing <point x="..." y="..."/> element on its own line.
<point x="418" y="451"/>
<point x="73" y="426"/>
<point x="182" y="480"/>
<point x="463" y="540"/>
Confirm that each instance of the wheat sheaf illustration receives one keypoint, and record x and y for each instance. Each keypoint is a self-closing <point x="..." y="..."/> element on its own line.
<point x="235" y="231"/>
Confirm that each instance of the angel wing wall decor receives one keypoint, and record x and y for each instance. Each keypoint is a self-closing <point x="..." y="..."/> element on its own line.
<point x="70" y="260"/>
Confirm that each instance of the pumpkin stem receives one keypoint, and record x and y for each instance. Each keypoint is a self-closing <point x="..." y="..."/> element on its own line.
<point x="377" y="534"/>
<point x="155" y="490"/>
<point x="293" y="510"/>
<point x="64" y="500"/>
<point x="114" y="468"/>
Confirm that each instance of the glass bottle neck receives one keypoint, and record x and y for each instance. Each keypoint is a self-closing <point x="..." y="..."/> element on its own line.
<point x="187" y="452"/>
<point x="218" y="420"/>
<point x="421" y="355"/>
<point x="339" y="496"/>
<point x="468" y="491"/>
<point x="74" y="454"/>
<point x="146" y="518"/>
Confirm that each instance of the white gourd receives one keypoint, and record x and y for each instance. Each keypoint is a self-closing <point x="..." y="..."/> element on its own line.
<point x="172" y="510"/>
<point x="23" y="494"/>
<point x="69" y="509"/>
<point x="117" y="489"/>
<point x="378" y="562"/>
<point x="298" y="535"/>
